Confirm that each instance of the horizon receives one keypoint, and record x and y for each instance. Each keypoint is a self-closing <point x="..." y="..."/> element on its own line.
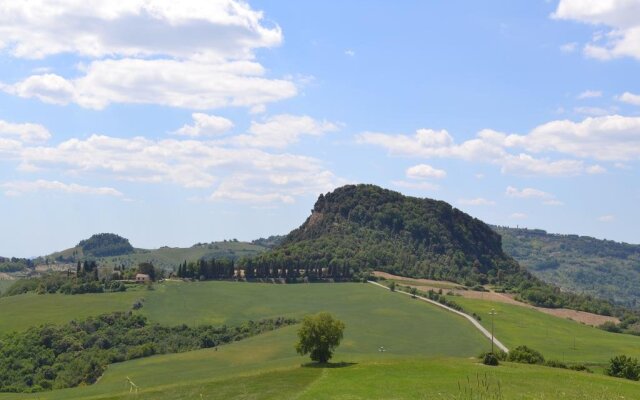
<point x="232" y="117"/>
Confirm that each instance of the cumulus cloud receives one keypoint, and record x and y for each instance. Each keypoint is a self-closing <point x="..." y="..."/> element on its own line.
<point x="528" y="193"/>
<point x="479" y="201"/>
<point x="279" y="131"/>
<point x="21" y="187"/>
<point x="25" y="132"/>
<point x="590" y="94"/>
<point x="596" y="169"/>
<point x="630" y="98"/>
<point x="191" y="54"/>
<point x="620" y="16"/>
<point x="247" y="174"/>
<point x="205" y="125"/>
<point x="186" y="84"/>
<point x="424" y="171"/>
<point x="608" y="138"/>
<point x="548" y="199"/>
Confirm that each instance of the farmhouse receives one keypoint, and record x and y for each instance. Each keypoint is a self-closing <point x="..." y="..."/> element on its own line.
<point x="143" y="278"/>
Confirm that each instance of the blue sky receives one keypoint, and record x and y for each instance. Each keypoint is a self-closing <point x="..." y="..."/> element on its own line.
<point x="172" y="124"/>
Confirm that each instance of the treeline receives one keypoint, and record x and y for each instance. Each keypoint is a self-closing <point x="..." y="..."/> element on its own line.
<point x="265" y="268"/>
<point x="65" y="283"/>
<point x="14" y="264"/>
<point x="56" y="357"/>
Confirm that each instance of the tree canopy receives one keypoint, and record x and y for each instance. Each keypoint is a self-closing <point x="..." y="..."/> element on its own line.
<point x="318" y="336"/>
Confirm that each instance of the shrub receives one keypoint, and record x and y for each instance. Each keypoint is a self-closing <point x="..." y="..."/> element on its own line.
<point x="490" y="359"/>
<point x="610" y="327"/>
<point x="525" y="355"/>
<point x="555" y="364"/>
<point x="624" y="367"/>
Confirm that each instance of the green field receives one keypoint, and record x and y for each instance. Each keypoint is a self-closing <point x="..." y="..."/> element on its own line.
<point x="421" y="343"/>
<point x="21" y="312"/>
<point x="4" y="285"/>
<point x="557" y="338"/>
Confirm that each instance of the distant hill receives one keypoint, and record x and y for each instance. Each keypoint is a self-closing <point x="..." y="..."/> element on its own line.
<point x="367" y="226"/>
<point x="582" y="264"/>
<point x="164" y="257"/>
<point x="105" y="245"/>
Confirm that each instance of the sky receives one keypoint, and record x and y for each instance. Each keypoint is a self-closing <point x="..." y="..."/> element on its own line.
<point x="172" y="123"/>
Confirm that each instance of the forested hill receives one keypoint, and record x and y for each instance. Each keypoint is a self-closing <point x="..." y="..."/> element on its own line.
<point x="603" y="268"/>
<point x="365" y="226"/>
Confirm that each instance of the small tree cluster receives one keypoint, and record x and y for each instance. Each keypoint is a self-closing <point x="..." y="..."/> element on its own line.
<point x="624" y="367"/>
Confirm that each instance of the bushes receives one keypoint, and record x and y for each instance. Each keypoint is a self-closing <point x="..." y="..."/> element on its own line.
<point x="525" y="355"/>
<point x="490" y="359"/>
<point x="55" y="357"/>
<point x="624" y="367"/>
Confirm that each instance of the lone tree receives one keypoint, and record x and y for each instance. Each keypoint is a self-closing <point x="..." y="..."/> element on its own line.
<point x="319" y="335"/>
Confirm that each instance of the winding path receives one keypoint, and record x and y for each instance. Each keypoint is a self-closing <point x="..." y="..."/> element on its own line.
<point x="475" y="323"/>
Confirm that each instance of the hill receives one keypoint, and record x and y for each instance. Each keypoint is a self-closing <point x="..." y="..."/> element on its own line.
<point x="365" y="226"/>
<point x="164" y="257"/>
<point x="581" y="264"/>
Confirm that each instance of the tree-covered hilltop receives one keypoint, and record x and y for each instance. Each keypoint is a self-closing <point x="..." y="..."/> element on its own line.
<point x="582" y="264"/>
<point x="105" y="245"/>
<point x="357" y="228"/>
<point x="365" y="226"/>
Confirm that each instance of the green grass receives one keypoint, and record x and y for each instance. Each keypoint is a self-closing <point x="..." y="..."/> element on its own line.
<point x="421" y="341"/>
<point x="21" y="312"/>
<point x="4" y="285"/>
<point x="374" y="317"/>
<point x="557" y="338"/>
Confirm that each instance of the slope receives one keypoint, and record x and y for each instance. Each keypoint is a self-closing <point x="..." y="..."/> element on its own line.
<point x="582" y="264"/>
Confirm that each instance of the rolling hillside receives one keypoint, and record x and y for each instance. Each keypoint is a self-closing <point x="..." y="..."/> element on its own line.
<point x="581" y="264"/>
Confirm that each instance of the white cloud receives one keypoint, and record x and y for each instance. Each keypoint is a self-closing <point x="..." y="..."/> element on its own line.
<point x="630" y="98"/>
<point x="187" y="84"/>
<point x="590" y="94"/>
<point x="518" y="216"/>
<point x="282" y="130"/>
<point x="609" y="138"/>
<point x="479" y="201"/>
<point x="205" y="125"/>
<point x="621" y="16"/>
<point x="569" y="47"/>
<point x="607" y="218"/>
<point x="489" y="146"/>
<point x="189" y="54"/>
<point x="592" y="111"/>
<point x="528" y="193"/>
<point x="22" y="187"/>
<point x="216" y="28"/>
<point x="423" y="186"/>
<point x="25" y="132"/>
<point x="350" y="52"/>
<point x="245" y="174"/>
<point x="424" y="171"/>
<point x="596" y="169"/>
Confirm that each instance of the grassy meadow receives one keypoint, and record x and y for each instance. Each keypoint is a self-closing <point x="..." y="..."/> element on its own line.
<point x="429" y="351"/>
<point x="557" y="338"/>
<point x="4" y="285"/>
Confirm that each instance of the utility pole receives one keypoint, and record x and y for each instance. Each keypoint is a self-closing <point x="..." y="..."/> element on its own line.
<point x="493" y="313"/>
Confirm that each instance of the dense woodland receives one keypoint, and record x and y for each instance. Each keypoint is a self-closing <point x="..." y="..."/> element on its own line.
<point x="105" y="245"/>
<point x="55" y="357"/>
<point x="602" y="268"/>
